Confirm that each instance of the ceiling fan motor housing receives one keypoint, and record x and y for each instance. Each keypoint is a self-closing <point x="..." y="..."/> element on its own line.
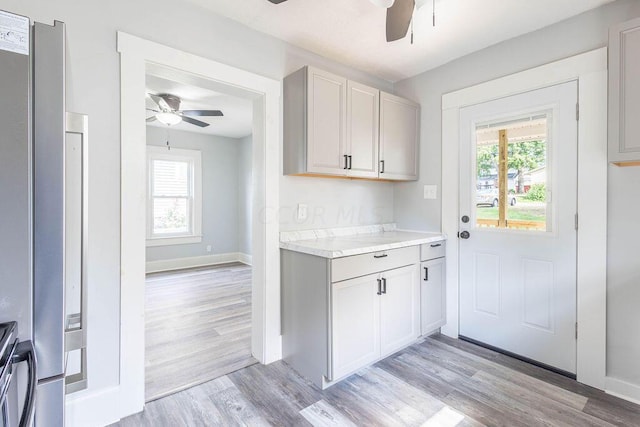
<point x="171" y="100"/>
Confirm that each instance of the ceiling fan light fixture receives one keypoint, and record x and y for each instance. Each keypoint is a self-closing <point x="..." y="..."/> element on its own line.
<point x="169" y="119"/>
<point x="383" y="3"/>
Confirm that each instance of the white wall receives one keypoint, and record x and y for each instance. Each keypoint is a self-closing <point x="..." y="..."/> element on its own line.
<point x="334" y="203"/>
<point x="220" y="204"/>
<point x="579" y="34"/>
<point x="93" y="88"/>
<point x="245" y="191"/>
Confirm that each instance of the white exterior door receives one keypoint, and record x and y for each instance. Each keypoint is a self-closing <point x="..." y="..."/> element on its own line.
<point x="518" y="186"/>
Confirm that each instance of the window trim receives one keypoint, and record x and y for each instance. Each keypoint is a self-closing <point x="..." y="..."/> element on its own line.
<point x="176" y="154"/>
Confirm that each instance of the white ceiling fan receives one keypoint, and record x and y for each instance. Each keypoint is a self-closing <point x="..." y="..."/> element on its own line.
<point x="399" y="15"/>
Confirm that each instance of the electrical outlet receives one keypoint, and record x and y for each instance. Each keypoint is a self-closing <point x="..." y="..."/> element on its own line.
<point x="208" y="248"/>
<point x="302" y="211"/>
<point x="430" y="191"/>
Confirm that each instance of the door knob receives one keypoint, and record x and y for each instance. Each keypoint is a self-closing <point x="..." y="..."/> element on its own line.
<point x="464" y="234"/>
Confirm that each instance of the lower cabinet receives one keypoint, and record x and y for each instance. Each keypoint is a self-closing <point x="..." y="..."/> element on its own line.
<point x="339" y="315"/>
<point x="432" y="295"/>
<point x="355" y="324"/>
<point x="373" y="316"/>
<point x="399" y="309"/>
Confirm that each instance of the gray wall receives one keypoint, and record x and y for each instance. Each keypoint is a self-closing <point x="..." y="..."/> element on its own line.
<point x="579" y="34"/>
<point x="245" y="194"/>
<point x="220" y="185"/>
<point x="93" y="88"/>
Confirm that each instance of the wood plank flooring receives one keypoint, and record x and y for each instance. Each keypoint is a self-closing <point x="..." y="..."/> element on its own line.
<point x="436" y="382"/>
<point x="197" y="325"/>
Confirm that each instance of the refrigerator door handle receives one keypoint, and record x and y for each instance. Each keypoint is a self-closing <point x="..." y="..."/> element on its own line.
<point x="26" y="353"/>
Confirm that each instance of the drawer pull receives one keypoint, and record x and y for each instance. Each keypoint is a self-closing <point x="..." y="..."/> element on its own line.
<point x="426" y="274"/>
<point x="381" y="256"/>
<point x="436" y="245"/>
<point x="379" y="287"/>
<point x="384" y="285"/>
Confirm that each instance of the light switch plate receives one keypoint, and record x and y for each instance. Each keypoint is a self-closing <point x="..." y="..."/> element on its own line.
<point x="302" y="211"/>
<point x="430" y="191"/>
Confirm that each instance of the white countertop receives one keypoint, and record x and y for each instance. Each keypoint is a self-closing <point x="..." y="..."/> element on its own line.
<point x="373" y="239"/>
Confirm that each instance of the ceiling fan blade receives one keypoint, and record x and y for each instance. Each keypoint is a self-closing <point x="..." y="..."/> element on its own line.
<point x="151" y="109"/>
<point x="194" y="121"/>
<point x="277" y="1"/>
<point x="164" y="106"/>
<point x="151" y="119"/>
<point x="398" y="19"/>
<point x="202" y="113"/>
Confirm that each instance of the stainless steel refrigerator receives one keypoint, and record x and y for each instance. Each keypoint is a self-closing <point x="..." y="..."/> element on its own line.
<point x="42" y="227"/>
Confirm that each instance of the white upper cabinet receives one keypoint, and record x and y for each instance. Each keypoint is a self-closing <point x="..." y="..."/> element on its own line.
<point x="624" y="92"/>
<point x="326" y="143"/>
<point x="363" y="113"/>
<point x="333" y="126"/>
<point x="399" y="133"/>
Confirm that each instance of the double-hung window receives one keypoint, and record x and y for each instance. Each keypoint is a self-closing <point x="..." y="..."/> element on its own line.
<point x="174" y="196"/>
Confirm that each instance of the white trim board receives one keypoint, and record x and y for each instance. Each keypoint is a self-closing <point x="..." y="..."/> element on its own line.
<point x="623" y="390"/>
<point x="590" y="70"/>
<point x="139" y="57"/>
<point x="92" y="409"/>
<point x="196" y="261"/>
<point x="245" y="258"/>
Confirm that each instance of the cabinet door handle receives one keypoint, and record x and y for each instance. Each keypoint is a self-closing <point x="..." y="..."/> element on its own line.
<point x="379" y="287"/>
<point x="384" y="285"/>
<point x="426" y="274"/>
<point x="349" y="157"/>
<point x="436" y="245"/>
<point x="381" y="166"/>
<point x="346" y="162"/>
<point x="381" y="256"/>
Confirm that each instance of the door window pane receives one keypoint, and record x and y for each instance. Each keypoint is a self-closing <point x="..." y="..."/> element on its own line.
<point x="521" y="178"/>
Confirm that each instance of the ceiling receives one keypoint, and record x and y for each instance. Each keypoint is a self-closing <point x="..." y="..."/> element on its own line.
<point x="352" y="32"/>
<point x="238" y="113"/>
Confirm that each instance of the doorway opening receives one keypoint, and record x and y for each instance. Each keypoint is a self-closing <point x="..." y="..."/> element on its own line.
<point x="138" y="57"/>
<point x="198" y="235"/>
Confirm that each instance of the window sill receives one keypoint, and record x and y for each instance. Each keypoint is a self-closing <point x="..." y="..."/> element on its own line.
<point x="167" y="241"/>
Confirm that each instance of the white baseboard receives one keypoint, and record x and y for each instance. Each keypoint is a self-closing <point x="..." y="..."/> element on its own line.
<point x="245" y="258"/>
<point x="94" y="409"/>
<point x="622" y="389"/>
<point x="197" y="261"/>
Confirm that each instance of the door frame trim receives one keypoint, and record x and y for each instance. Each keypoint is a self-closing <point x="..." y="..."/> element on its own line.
<point x="590" y="70"/>
<point x="136" y="56"/>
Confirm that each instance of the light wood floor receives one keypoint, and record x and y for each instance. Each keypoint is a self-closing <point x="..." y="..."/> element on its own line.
<point x="197" y="325"/>
<point x="437" y="382"/>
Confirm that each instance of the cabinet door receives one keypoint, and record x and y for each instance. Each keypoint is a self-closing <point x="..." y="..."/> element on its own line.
<point x="326" y="146"/>
<point x="624" y="92"/>
<point x="399" y="133"/>
<point x="432" y="295"/>
<point x="399" y="309"/>
<point x="355" y="324"/>
<point x="363" y="111"/>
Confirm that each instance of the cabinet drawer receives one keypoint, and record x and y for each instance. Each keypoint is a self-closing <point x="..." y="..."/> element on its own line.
<point x="372" y="262"/>
<point x="432" y="250"/>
